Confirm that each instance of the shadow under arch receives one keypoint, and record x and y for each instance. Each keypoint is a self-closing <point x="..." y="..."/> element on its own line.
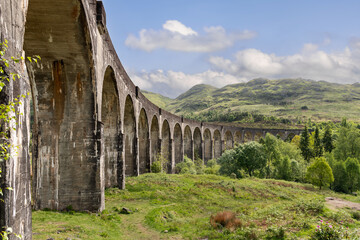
<point x="208" y="151"/>
<point x="144" y="143"/>
<point x="62" y="87"/>
<point x="110" y="118"/>
<point x="178" y="144"/>
<point x="130" y="138"/>
<point x="188" y="146"/>
<point x="154" y="138"/>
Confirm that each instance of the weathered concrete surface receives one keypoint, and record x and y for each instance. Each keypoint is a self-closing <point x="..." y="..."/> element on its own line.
<point x="92" y="125"/>
<point x="15" y="210"/>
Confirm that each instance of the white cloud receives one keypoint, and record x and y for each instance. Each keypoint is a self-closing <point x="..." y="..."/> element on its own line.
<point x="177" y="37"/>
<point x="175" y="26"/>
<point x="172" y="84"/>
<point x="310" y="63"/>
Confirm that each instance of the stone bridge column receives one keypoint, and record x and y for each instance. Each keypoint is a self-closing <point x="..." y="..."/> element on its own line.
<point x="137" y="158"/>
<point x="203" y="150"/>
<point x="212" y="148"/>
<point x="192" y="150"/>
<point x="172" y="156"/>
<point x="121" y="163"/>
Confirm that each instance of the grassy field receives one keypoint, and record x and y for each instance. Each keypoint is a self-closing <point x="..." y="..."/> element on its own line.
<point x="180" y="207"/>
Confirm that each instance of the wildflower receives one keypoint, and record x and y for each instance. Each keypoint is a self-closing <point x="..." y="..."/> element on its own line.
<point x="330" y="226"/>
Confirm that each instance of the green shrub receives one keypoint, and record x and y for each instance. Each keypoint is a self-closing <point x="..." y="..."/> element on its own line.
<point x="199" y="165"/>
<point x="160" y="164"/>
<point x="156" y="167"/>
<point x="186" y="167"/>
<point x="212" y="167"/>
<point x="274" y="233"/>
<point x="329" y="231"/>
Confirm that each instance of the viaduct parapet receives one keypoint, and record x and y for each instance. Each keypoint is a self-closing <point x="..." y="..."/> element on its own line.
<point x="92" y="126"/>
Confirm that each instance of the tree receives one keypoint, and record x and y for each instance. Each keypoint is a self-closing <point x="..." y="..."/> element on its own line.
<point x="319" y="173"/>
<point x="296" y="140"/>
<point x="353" y="173"/>
<point x="327" y="140"/>
<point x="347" y="143"/>
<point x="305" y="144"/>
<point x="318" y="148"/>
<point x="340" y="177"/>
<point x="228" y="163"/>
<point x="250" y="157"/>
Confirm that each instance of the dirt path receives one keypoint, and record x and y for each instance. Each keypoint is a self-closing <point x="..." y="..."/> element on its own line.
<point x="336" y="203"/>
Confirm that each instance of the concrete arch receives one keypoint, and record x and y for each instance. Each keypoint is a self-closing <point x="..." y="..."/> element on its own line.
<point x="154" y="139"/>
<point x="281" y="134"/>
<point x="238" y="137"/>
<point x="290" y="136"/>
<point x="217" y="144"/>
<point x="257" y="136"/>
<point x="110" y="118"/>
<point x="248" y="137"/>
<point x="178" y="144"/>
<point x="131" y="168"/>
<point x="229" y="142"/>
<point x="188" y="142"/>
<point x="63" y="93"/>
<point x="166" y="144"/>
<point x="197" y="144"/>
<point x="208" y="151"/>
<point x="144" y="143"/>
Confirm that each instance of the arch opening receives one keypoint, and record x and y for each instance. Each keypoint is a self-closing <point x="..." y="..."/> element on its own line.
<point x="197" y="144"/>
<point x="144" y="142"/>
<point x="228" y="140"/>
<point x="154" y="139"/>
<point x="217" y="144"/>
<point x="238" y="136"/>
<point x="110" y="110"/>
<point x="188" y="149"/>
<point x="178" y="144"/>
<point x="248" y="137"/>
<point x="166" y="145"/>
<point x="62" y="87"/>
<point x="208" y="151"/>
<point x="130" y="138"/>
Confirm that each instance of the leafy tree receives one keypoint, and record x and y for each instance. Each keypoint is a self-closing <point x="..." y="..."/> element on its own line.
<point x="318" y="148"/>
<point x="250" y="157"/>
<point x="228" y="163"/>
<point x="319" y="173"/>
<point x="347" y="143"/>
<point x="327" y="140"/>
<point x="340" y="177"/>
<point x="284" y="169"/>
<point x="353" y="173"/>
<point x="305" y="144"/>
<point x="296" y="140"/>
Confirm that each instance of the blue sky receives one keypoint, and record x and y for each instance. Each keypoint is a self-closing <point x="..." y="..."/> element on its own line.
<point x="168" y="46"/>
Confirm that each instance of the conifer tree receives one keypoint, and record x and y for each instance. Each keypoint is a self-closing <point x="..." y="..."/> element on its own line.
<point x="327" y="140"/>
<point x="305" y="144"/>
<point x="318" y="148"/>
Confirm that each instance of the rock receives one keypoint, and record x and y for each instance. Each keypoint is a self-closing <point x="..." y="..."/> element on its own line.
<point x="125" y="211"/>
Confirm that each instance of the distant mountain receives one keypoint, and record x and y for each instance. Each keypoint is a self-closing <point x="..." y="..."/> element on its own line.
<point x="295" y="99"/>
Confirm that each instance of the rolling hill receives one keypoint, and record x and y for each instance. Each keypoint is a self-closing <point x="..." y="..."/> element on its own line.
<point x="294" y="99"/>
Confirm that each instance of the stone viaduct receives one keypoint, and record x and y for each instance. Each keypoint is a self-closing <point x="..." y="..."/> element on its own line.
<point x="92" y="125"/>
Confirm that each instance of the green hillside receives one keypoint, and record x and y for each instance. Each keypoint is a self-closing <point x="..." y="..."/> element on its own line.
<point x="294" y="99"/>
<point x="180" y="207"/>
<point x="157" y="99"/>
